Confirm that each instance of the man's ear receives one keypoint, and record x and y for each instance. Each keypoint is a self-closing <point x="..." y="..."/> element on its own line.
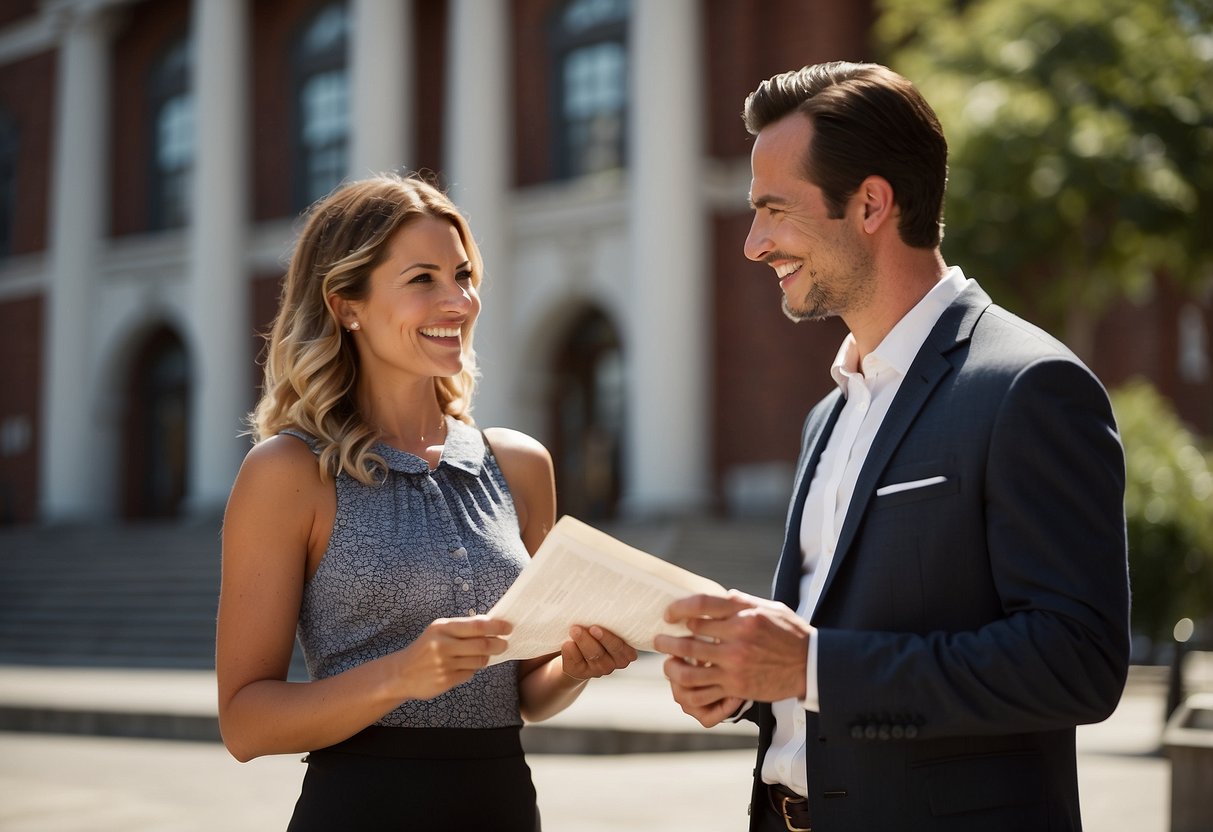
<point x="344" y="310"/>
<point x="876" y="199"/>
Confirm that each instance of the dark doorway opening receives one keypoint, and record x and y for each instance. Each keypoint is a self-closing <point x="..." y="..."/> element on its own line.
<point x="587" y="415"/>
<point x="156" y="428"/>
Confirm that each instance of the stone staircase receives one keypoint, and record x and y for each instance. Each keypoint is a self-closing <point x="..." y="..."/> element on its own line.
<point x="145" y="595"/>
<point x="736" y="553"/>
<point x="116" y="596"/>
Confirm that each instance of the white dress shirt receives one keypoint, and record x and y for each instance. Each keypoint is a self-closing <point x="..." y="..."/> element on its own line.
<point x="869" y="391"/>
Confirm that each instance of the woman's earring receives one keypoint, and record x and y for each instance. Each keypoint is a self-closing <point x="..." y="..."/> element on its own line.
<point x="355" y="326"/>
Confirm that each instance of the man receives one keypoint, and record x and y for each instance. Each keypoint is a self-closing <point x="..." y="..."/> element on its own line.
<point x="952" y="596"/>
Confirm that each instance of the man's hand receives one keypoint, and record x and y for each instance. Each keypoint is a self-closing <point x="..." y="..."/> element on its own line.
<point x="743" y="647"/>
<point x="704" y="704"/>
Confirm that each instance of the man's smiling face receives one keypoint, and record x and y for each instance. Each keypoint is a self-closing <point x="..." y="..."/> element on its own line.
<point x="822" y="264"/>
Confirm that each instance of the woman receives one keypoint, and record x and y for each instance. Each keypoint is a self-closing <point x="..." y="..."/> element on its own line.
<point x="374" y="519"/>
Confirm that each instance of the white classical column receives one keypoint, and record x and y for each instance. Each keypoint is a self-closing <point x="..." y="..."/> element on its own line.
<point x="477" y="166"/>
<point x="381" y="86"/>
<point x="666" y="348"/>
<point x="220" y="324"/>
<point x="70" y="436"/>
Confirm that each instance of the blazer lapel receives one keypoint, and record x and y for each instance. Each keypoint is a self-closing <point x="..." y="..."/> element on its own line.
<point x="928" y="368"/>
<point x="786" y="586"/>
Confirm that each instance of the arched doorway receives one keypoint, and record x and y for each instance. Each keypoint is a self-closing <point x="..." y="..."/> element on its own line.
<point x="587" y="418"/>
<point x="156" y="428"/>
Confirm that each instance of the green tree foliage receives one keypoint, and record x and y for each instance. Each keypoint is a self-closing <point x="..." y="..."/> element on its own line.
<point x="1169" y="507"/>
<point x="1081" y="136"/>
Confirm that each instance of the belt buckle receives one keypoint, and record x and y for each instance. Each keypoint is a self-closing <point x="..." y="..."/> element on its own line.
<point x="787" y="820"/>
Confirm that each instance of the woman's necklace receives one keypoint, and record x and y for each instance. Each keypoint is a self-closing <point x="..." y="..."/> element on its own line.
<point x="441" y="429"/>
<point x="405" y="442"/>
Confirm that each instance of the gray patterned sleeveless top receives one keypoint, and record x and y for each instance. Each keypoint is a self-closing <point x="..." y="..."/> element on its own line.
<point x="422" y="545"/>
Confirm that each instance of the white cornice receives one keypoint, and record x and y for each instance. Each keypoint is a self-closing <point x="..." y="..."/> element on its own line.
<point x="40" y="32"/>
<point x="22" y="275"/>
<point x="565" y="208"/>
<point x="165" y="254"/>
<point x="726" y="184"/>
<point x="26" y="38"/>
<point x="269" y="246"/>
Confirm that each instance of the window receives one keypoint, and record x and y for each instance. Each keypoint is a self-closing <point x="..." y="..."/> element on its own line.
<point x="592" y="75"/>
<point x="173" y="138"/>
<point x="322" y="104"/>
<point x="8" y="183"/>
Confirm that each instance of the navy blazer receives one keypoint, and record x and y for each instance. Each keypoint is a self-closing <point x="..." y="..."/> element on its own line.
<point x="966" y="627"/>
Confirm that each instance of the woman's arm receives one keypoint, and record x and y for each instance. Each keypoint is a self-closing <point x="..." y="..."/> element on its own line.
<point x="549" y="684"/>
<point x="528" y="471"/>
<point x="275" y="530"/>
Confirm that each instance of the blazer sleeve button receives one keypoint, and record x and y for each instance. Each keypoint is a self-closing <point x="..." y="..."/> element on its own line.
<point x="869" y="732"/>
<point x="911" y="732"/>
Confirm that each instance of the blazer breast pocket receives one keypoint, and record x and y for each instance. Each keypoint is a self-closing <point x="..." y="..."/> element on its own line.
<point x="918" y="481"/>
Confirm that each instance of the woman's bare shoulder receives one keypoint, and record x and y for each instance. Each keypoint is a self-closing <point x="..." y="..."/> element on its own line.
<point x="281" y="463"/>
<point x="514" y="446"/>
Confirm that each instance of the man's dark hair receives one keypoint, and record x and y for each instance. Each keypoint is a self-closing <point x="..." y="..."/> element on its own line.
<point x="867" y="120"/>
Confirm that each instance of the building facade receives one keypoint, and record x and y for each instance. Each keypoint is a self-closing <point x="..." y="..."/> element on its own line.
<point x="155" y="156"/>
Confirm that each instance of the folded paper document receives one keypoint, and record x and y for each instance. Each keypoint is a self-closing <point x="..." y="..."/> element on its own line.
<point x="581" y="575"/>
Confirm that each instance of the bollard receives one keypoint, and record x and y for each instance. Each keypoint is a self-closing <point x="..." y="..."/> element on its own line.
<point x="1175" y="679"/>
<point x="1188" y="741"/>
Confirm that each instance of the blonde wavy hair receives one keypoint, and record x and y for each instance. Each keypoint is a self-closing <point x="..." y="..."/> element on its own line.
<point x="311" y="366"/>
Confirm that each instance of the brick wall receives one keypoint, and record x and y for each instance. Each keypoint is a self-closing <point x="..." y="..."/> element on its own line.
<point x="27" y="90"/>
<point x="20" y="407"/>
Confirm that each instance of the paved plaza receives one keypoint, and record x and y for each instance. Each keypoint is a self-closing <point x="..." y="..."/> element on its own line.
<point x="107" y="749"/>
<point x="64" y="783"/>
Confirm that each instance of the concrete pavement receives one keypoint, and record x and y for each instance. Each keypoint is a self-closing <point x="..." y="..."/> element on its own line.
<point x="68" y="782"/>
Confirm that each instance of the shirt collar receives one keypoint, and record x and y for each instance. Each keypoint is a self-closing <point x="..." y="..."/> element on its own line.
<point x="903" y="341"/>
<point x="463" y="449"/>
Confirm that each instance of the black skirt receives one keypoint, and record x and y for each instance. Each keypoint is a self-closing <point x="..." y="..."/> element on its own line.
<point x="431" y="779"/>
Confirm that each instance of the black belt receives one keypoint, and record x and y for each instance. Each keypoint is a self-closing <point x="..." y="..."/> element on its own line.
<point x="433" y="743"/>
<point x="790" y="806"/>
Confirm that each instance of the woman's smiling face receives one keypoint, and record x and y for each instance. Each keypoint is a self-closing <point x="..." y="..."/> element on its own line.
<point x="420" y="305"/>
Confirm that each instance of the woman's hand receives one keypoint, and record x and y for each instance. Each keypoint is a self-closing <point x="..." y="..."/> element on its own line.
<point x="594" y="651"/>
<point x="550" y="683"/>
<point x="449" y="652"/>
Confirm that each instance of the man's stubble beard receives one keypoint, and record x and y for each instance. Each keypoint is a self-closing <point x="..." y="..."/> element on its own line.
<point x="821" y="302"/>
<point x="816" y="306"/>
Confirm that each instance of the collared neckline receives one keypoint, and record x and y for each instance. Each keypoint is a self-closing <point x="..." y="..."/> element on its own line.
<point x="900" y="346"/>
<point x="463" y="449"/>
